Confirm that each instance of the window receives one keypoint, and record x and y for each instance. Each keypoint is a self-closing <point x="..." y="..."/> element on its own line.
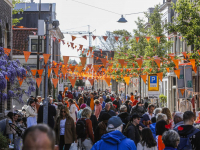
<point x="34" y="45"/>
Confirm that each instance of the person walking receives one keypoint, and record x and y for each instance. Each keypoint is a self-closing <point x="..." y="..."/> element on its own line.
<point x="138" y="109"/>
<point x="65" y="129"/>
<point x="102" y="102"/>
<point x="124" y="116"/>
<point x="107" y="110"/>
<point x="90" y="101"/>
<point x="171" y="140"/>
<point x="60" y="96"/>
<point x="178" y="119"/>
<point x="147" y="142"/>
<point x="80" y="111"/>
<point x="31" y="114"/>
<point x="146" y="118"/>
<point x="72" y="109"/>
<point x="98" y="108"/>
<point x="169" y="121"/>
<point x="114" y="139"/>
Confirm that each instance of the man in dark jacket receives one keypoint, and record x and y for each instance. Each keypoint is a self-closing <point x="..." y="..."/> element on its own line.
<point x="188" y="130"/>
<point x="133" y="131"/>
<point x="107" y="110"/>
<point x="116" y="103"/>
<point x="124" y="116"/>
<point x="138" y="109"/>
<point x="51" y="113"/>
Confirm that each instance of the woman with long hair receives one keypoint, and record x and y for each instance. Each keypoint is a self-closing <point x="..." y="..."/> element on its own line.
<point x="169" y="121"/>
<point x="161" y="127"/>
<point x="147" y="142"/>
<point x="80" y="101"/>
<point x="72" y="109"/>
<point x="65" y="129"/>
<point x="31" y="114"/>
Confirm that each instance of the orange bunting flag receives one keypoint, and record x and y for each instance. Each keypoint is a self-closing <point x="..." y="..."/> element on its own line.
<point x="73" y="38"/>
<point x="195" y="69"/>
<point x="105" y="38"/>
<point x="56" y="70"/>
<point x="97" y="58"/>
<point x="150" y="69"/>
<point x="167" y="70"/>
<point x="182" y="91"/>
<point x="176" y="62"/>
<point x="139" y="61"/>
<point x="40" y="72"/>
<point x="7" y="51"/>
<point x="116" y="38"/>
<point x="177" y="72"/>
<point x="80" y="46"/>
<point x="126" y="37"/>
<point x="127" y="79"/>
<point x="137" y="39"/>
<point x="46" y="57"/>
<point x="20" y="82"/>
<point x="85" y="37"/>
<point x="192" y="62"/>
<point x="121" y="61"/>
<point x="96" y="67"/>
<point x="38" y="81"/>
<point x="73" y="81"/>
<point x="160" y="76"/>
<point x="49" y="72"/>
<point x="72" y="68"/>
<point x="79" y="68"/>
<point x="158" y="39"/>
<point x="157" y="62"/>
<point x="83" y="60"/>
<point x="184" y="54"/>
<point x="91" y="81"/>
<point x="103" y="60"/>
<point x="144" y="78"/>
<point x="94" y="37"/>
<point x="133" y="65"/>
<point x="148" y="38"/>
<point x="72" y="44"/>
<point x="65" y="59"/>
<point x="55" y="82"/>
<point x="33" y="72"/>
<point x="171" y="56"/>
<point x="26" y="55"/>
<point x="108" y="81"/>
<point x="64" y="71"/>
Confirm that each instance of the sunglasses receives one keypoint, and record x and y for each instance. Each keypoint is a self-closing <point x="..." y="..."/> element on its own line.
<point x="63" y="111"/>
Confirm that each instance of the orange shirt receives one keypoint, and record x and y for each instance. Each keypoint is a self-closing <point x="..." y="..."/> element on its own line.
<point x="160" y="144"/>
<point x="132" y="98"/>
<point x="92" y="104"/>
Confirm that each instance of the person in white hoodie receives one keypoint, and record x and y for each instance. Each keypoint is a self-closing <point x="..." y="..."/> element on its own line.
<point x="31" y="114"/>
<point x="147" y="142"/>
<point x="72" y="109"/>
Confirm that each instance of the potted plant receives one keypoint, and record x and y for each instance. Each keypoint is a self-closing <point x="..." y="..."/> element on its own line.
<point x="163" y="100"/>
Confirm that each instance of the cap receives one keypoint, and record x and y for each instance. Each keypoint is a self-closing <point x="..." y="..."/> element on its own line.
<point x="135" y="116"/>
<point x="83" y="106"/>
<point x="114" y="122"/>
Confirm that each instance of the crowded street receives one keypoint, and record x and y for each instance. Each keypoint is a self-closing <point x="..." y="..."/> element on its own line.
<point x="99" y="75"/>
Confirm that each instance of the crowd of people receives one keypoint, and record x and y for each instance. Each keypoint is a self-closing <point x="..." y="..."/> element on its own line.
<point x="100" y="120"/>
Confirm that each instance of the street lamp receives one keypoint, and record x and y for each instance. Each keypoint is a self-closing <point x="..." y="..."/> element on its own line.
<point x="122" y="19"/>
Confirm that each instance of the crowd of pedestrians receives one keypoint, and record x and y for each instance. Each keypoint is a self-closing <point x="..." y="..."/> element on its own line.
<point x="100" y="120"/>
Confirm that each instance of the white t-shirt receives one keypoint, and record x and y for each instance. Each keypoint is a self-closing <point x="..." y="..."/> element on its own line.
<point x="62" y="126"/>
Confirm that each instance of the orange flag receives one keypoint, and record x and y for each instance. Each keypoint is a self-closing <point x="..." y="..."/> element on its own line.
<point x="160" y="75"/>
<point x="26" y="55"/>
<point x="195" y="69"/>
<point x="137" y="39"/>
<point x="184" y="54"/>
<point x="81" y="47"/>
<point x="79" y="68"/>
<point x="116" y="38"/>
<point x="121" y="61"/>
<point x="94" y="37"/>
<point x="177" y="72"/>
<point x="49" y="72"/>
<point x="33" y="72"/>
<point x="103" y="60"/>
<point x="20" y="82"/>
<point x="158" y="39"/>
<point x="46" y="57"/>
<point x="105" y="38"/>
<point x="96" y="67"/>
<point x="171" y="56"/>
<point x="167" y="70"/>
<point x="108" y="81"/>
<point x="148" y="38"/>
<point x="192" y="62"/>
<point x="55" y="82"/>
<point x="182" y="91"/>
<point x="85" y="37"/>
<point x="91" y="81"/>
<point x="56" y="70"/>
<point x="139" y="61"/>
<point x="65" y="59"/>
<point x="126" y="37"/>
<point x="176" y="62"/>
<point x="40" y="72"/>
<point x="64" y="71"/>
<point x="73" y="38"/>
<point x="133" y="65"/>
<point x="144" y="78"/>
<point x="127" y="79"/>
<point x="157" y="62"/>
<point x="72" y="68"/>
<point x="73" y="81"/>
<point x="38" y="81"/>
<point x="7" y="51"/>
<point x="83" y="60"/>
<point x="150" y="69"/>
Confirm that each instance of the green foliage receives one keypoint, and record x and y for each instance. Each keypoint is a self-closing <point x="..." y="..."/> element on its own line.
<point x="80" y="83"/>
<point x="163" y="99"/>
<point x="187" y="21"/>
<point x="4" y="141"/>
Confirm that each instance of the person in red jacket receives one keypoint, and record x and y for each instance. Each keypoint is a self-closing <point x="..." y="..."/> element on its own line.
<point x="69" y="95"/>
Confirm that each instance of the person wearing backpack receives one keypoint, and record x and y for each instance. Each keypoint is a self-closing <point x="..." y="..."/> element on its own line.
<point x="84" y="130"/>
<point x="171" y="140"/>
<point x="189" y="135"/>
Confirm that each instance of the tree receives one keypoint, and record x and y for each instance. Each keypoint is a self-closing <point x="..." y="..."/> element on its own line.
<point x="14" y="72"/>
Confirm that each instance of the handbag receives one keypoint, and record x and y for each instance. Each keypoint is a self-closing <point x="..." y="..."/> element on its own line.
<point x="74" y="146"/>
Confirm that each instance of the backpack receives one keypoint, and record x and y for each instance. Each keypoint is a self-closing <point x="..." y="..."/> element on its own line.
<point x="125" y="131"/>
<point x="81" y="128"/>
<point x="185" y="143"/>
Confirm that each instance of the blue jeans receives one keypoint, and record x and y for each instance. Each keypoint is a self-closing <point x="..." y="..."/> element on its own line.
<point x="10" y="136"/>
